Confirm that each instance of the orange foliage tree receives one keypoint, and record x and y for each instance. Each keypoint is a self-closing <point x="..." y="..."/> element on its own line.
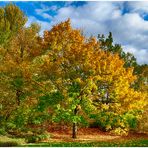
<point x="86" y="78"/>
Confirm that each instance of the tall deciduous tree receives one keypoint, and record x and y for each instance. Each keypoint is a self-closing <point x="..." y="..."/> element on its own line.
<point x="82" y="74"/>
<point x="16" y="69"/>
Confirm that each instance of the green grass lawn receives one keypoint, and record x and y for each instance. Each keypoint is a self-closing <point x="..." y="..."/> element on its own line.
<point x="129" y="143"/>
<point x="6" y="141"/>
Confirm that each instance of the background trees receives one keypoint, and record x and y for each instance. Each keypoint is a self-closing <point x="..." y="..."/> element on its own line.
<point x="129" y="61"/>
<point x="22" y="46"/>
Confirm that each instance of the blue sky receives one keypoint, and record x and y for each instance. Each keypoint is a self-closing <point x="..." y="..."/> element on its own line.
<point x="128" y="21"/>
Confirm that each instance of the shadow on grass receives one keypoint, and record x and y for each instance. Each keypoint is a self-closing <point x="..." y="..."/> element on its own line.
<point x="9" y="144"/>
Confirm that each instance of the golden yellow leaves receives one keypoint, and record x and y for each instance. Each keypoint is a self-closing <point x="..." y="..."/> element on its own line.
<point x="62" y="36"/>
<point x="77" y="59"/>
<point x="104" y="107"/>
<point x="78" y="80"/>
<point x="25" y="70"/>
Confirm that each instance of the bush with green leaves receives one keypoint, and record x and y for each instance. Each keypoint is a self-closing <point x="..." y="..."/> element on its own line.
<point x="132" y="120"/>
<point x="3" y="131"/>
<point x="37" y="138"/>
<point x="108" y="120"/>
<point x="115" y="123"/>
<point x="10" y="125"/>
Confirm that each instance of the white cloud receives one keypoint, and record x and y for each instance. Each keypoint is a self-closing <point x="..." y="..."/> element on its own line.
<point x="141" y="55"/>
<point x="53" y="8"/>
<point x="45" y="8"/>
<point x="129" y="29"/>
<point x="46" y="15"/>
<point x="138" y="6"/>
<point x="39" y="11"/>
<point x="44" y="25"/>
<point x="43" y="13"/>
<point x="90" y="17"/>
<point x="98" y="11"/>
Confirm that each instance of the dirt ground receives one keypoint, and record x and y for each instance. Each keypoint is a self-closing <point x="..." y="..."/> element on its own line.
<point x="89" y="135"/>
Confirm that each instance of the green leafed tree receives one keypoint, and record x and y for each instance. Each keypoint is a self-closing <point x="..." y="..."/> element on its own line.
<point x="11" y="20"/>
<point x="107" y="44"/>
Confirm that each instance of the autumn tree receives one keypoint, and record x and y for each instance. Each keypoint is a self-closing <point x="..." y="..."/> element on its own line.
<point x="86" y="78"/>
<point x="11" y="20"/>
<point x="64" y="69"/>
<point x="16" y="72"/>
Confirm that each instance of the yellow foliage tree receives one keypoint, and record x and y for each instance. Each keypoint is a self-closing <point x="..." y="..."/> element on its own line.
<point x="16" y="70"/>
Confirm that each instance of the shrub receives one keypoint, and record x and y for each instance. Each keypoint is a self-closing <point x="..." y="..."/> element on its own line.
<point x="119" y="131"/>
<point x="131" y="120"/>
<point x="37" y="138"/>
<point x="109" y="121"/>
<point x="118" y="124"/>
<point x="10" y="126"/>
<point x="2" y="131"/>
<point x="31" y="139"/>
<point x="143" y="123"/>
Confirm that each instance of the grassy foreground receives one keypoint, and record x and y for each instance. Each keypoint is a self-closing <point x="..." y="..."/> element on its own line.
<point x="8" y="142"/>
<point x="133" y="143"/>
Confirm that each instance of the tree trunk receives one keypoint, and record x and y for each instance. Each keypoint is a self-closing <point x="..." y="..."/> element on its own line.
<point x="18" y="94"/>
<point x="74" y="129"/>
<point x="22" y="52"/>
